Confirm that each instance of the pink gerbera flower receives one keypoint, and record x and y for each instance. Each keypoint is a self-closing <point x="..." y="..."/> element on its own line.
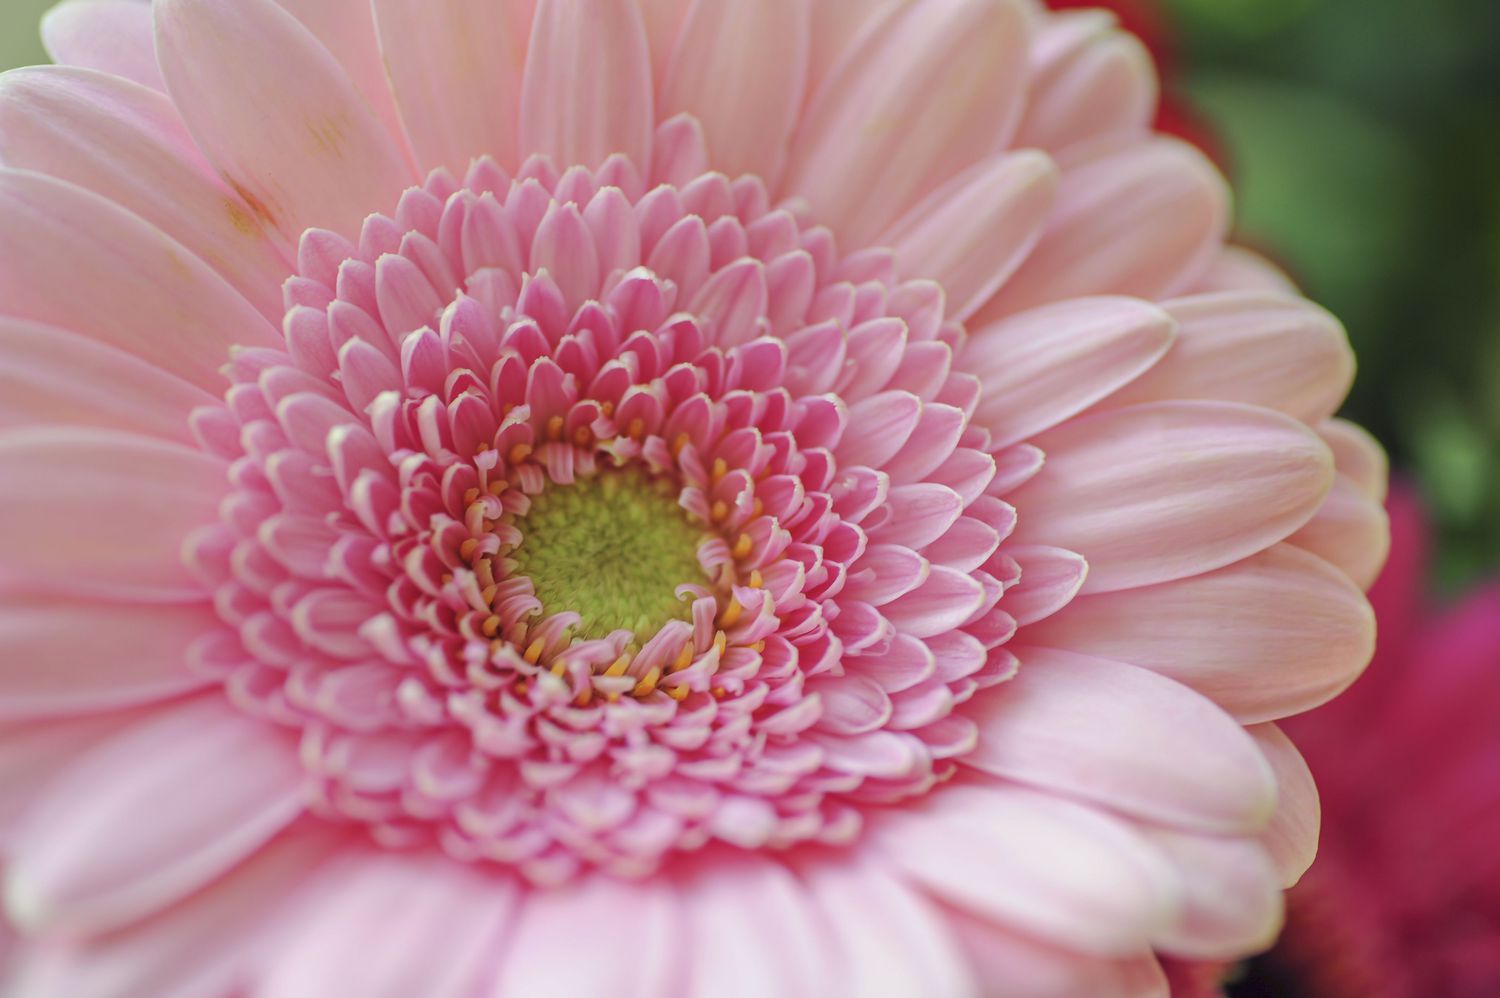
<point x="595" y="497"/>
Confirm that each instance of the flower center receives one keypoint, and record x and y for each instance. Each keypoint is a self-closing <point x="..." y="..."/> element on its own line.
<point x="613" y="549"/>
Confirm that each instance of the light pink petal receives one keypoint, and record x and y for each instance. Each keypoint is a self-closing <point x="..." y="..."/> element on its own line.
<point x="1239" y="269"/>
<point x="32" y="754"/>
<point x="754" y="930"/>
<point x="126" y="143"/>
<point x="1142" y="221"/>
<point x="205" y="946"/>
<point x="663" y="19"/>
<point x="73" y="260"/>
<point x="1036" y="862"/>
<point x="1359" y="456"/>
<point x="942" y="601"/>
<point x="1274" y="635"/>
<point x="973" y="232"/>
<point x="1090" y="81"/>
<point x="1272" y="350"/>
<point x="1124" y="737"/>
<point x="586" y="93"/>
<point x="932" y="90"/>
<point x="1050" y="578"/>
<point x="892" y="940"/>
<point x="391" y="925"/>
<point x="1039" y="969"/>
<point x="113" y="36"/>
<point x="1351" y="530"/>
<point x="103" y="513"/>
<point x="539" y="958"/>
<point x="455" y="68"/>
<point x="300" y="144"/>
<point x="739" y="67"/>
<point x="878" y="427"/>
<point x="1292" y="836"/>
<point x="139" y="823"/>
<point x="56" y="664"/>
<point x="835" y="26"/>
<point x="57" y="377"/>
<point x="347" y="30"/>
<point x="1040" y="367"/>
<point x="1167" y="490"/>
<point x="1232" y="903"/>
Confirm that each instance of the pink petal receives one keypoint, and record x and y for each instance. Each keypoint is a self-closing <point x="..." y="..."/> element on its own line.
<point x="127" y="144"/>
<point x="586" y="93"/>
<point x="1167" y="490"/>
<point x="1232" y="902"/>
<point x="86" y="859"/>
<point x="739" y="912"/>
<point x="1038" y="969"/>
<point x="1358" y="456"/>
<point x="1351" y="531"/>
<point x="540" y="959"/>
<point x="973" y="232"/>
<point x="389" y="925"/>
<point x="931" y="91"/>
<point x="102" y="513"/>
<point x="455" y="68"/>
<point x="1042" y="366"/>
<point x="740" y="67"/>
<point x="299" y="144"/>
<point x="141" y="291"/>
<point x="206" y="946"/>
<point x="1292" y="836"/>
<point x="1275" y="635"/>
<point x="879" y="427"/>
<point x="1129" y="739"/>
<point x="1143" y="221"/>
<point x="55" y="663"/>
<point x="892" y="940"/>
<point x="1050" y="578"/>
<point x="34" y="753"/>
<point x="834" y="26"/>
<point x="1238" y="269"/>
<point x="1038" y="863"/>
<point x="1275" y="351"/>
<point x="941" y="602"/>
<point x="56" y="377"/>
<point x="1090" y="81"/>
<point x="113" y="36"/>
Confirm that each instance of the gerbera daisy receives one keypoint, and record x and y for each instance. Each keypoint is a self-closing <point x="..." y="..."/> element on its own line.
<point x="595" y="497"/>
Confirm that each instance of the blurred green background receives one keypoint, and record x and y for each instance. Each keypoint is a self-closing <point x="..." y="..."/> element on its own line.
<point x="1364" y="141"/>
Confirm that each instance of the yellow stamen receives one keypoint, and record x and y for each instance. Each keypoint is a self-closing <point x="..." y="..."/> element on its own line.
<point x="732" y="612"/>
<point x="467" y="548"/>
<point x="534" y="650"/>
<point x="498" y="487"/>
<point x="582" y="436"/>
<point x="756" y="579"/>
<point x="619" y="665"/>
<point x="683" y="439"/>
<point x="470" y="495"/>
<point x="490" y="627"/>
<point x="719" y="642"/>
<point x="519" y="453"/>
<point x="757" y="508"/>
<point x="684" y="658"/>
<point x="554" y="427"/>
<point x="719" y="511"/>
<point x="721" y="468"/>
<point x="677" y="692"/>
<point x="648" y="682"/>
<point x="582" y="699"/>
<point x="637" y="429"/>
<point x="743" y="546"/>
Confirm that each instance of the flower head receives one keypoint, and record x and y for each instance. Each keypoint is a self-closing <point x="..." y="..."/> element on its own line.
<point x="797" y="495"/>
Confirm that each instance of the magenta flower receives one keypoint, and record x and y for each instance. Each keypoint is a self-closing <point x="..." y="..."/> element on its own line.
<point x="709" y="499"/>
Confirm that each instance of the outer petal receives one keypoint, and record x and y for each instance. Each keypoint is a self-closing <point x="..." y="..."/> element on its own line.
<point x="57" y="377"/>
<point x="71" y="259"/>
<point x="109" y="35"/>
<point x="109" y="516"/>
<point x="1292" y="836"/>
<point x="1280" y="352"/>
<point x="587" y="93"/>
<point x="455" y="68"/>
<point x="55" y="662"/>
<point x="86" y="860"/>
<point x="1351" y="531"/>
<point x="1042" y="366"/>
<point x="32" y="754"/>
<point x="740" y="68"/>
<point x="1089" y="81"/>
<point x="1358" y="455"/>
<point x="126" y="143"/>
<point x="1166" y="490"/>
<point x="1233" y="903"/>
<point x="1143" y="221"/>
<point x="932" y="89"/>
<point x="390" y="925"/>
<point x="540" y="960"/>
<point x="299" y="144"/>
<point x="1275" y="635"/>
<point x="1024" y="965"/>
<point x="205" y="946"/>
<point x="972" y="233"/>
<point x="1239" y="269"/>
<point x="893" y="941"/>
<point x="1036" y="862"/>
<point x="1136" y="742"/>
